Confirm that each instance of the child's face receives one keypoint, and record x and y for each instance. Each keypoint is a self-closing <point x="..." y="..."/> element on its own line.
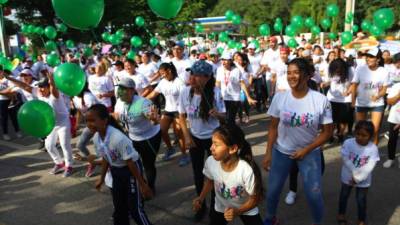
<point x="362" y="137"/>
<point x="93" y="122"/>
<point x="219" y="150"/>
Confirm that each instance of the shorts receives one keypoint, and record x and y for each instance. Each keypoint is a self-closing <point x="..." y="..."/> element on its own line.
<point x="342" y="112"/>
<point x="172" y="115"/>
<point x="370" y="109"/>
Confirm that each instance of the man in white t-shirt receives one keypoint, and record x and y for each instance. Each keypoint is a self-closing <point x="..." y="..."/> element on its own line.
<point x="180" y="62"/>
<point x="279" y="71"/>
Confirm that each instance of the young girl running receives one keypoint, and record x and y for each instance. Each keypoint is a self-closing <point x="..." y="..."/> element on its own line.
<point x="170" y="87"/>
<point x="235" y="176"/>
<point x="359" y="156"/>
<point x="118" y="154"/>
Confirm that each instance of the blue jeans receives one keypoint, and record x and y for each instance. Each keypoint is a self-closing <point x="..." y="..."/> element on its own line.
<point x="310" y="170"/>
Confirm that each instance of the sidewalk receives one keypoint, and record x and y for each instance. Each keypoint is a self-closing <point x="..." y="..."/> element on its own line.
<point x="30" y="196"/>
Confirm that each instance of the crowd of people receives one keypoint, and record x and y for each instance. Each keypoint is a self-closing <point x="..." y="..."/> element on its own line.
<point x="313" y="94"/>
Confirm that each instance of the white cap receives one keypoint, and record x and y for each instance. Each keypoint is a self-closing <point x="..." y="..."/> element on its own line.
<point x="252" y="46"/>
<point x="373" y="51"/>
<point x="27" y="72"/>
<point x="350" y="52"/>
<point x="213" y="51"/>
<point x="226" y="55"/>
<point x="306" y="53"/>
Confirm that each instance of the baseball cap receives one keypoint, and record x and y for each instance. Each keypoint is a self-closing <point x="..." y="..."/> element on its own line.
<point x="396" y="57"/>
<point x="226" y="55"/>
<point x="126" y="83"/>
<point x="26" y="72"/>
<point x="252" y="46"/>
<point x="373" y="51"/>
<point x="284" y="49"/>
<point x="306" y="53"/>
<point x="179" y="44"/>
<point x="201" y="67"/>
<point x="118" y="63"/>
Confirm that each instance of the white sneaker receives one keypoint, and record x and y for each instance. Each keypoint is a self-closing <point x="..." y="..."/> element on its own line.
<point x="388" y="163"/>
<point x="386" y="135"/>
<point x="6" y="137"/>
<point x="290" y="198"/>
<point x="19" y="134"/>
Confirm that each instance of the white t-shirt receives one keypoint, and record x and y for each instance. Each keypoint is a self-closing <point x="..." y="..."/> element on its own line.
<point x="199" y="128"/>
<point x="360" y="156"/>
<point x="89" y="100"/>
<point x="148" y="70"/>
<point x="170" y="90"/>
<point x="230" y="83"/>
<point x="394" y="75"/>
<point x="4" y="84"/>
<point x="181" y="66"/>
<point x="394" y="114"/>
<point x="59" y="107"/>
<point x="337" y="89"/>
<point x="245" y="74"/>
<point x="299" y="118"/>
<point x="134" y="117"/>
<point x="101" y="85"/>
<point x="324" y="71"/>
<point x="255" y="61"/>
<point x="116" y="147"/>
<point x="369" y="83"/>
<point x="270" y="57"/>
<point x="280" y="69"/>
<point x="232" y="189"/>
<point x="26" y="95"/>
<point x="141" y="82"/>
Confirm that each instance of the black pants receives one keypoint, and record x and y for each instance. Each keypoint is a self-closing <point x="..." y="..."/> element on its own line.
<point x="148" y="150"/>
<point x="294" y="172"/>
<point x="197" y="154"/>
<point x="361" y="198"/>
<point x="232" y="108"/>
<point x="392" y="144"/>
<point x="217" y="218"/>
<point x="127" y="198"/>
<point x="244" y="106"/>
<point x="5" y="112"/>
<point x="260" y="90"/>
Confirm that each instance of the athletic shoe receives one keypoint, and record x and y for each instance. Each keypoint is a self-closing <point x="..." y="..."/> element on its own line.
<point x="168" y="154"/>
<point x="386" y="135"/>
<point x="67" y="171"/>
<point x="184" y="160"/>
<point x="90" y="170"/>
<point x="388" y="163"/>
<point x="246" y="120"/>
<point x="6" y="137"/>
<point x="290" y="198"/>
<point x="58" y="168"/>
<point x="19" y="134"/>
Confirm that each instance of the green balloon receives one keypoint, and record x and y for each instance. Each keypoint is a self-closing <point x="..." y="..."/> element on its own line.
<point x="326" y="23"/>
<point x="297" y="21"/>
<point x="384" y="18"/>
<point x="87" y="52"/>
<point x="256" y="43"/>
<point x="278" y="20"/>
<point x="231" y="44"/>
<point x="50" y="46"/>
<point x="290" y="31"/>
<point x="153" y="41"/>
<point x="229" y="14"/>
<point x="50" y="32"/>
<point x="131" y="54"/>
<point x="349" y="18"/>
<point x="309" y="22"/>
<point x="346" y="37"/>
<point x="365" y="25"/>
<point x="139" y="21"/>
<point x="31" y="29"/>
<point x="199" y="28"/>
<point x="236" y="19"/>
<point x="332" y="36"/>
<point x="166" y="9"/>
<point x="315" y="30"/>
<point x="332" y="10"/>
<point x="114" y="39"/>
<point x="39" y="30"/>
<point x="264" y="30"/>
<point x="70" y="79"/>
<point x="78" y="14"/>
<point x="53" y="60"/>
<point x="106" y="36"/>
<point x="24" y="28"/>
<point x="36" y="118"/>
<point x="25" y="47"/>
<point x="292" y="43"/>
<point x="136" y="41"/>
<point x="212" y="35"/>
<point x="62" y="28"/>
<point x="355" y="28"/>
<point x="6" y="64"/>
<point x="278" y="27"/>
<point x="376" y="31"/>
<point x="223" y="37"/>
<point x="70" y="44"/>
<point x="220" y="50"/>
<point x="120" y="34"/>
<point x="2" y="2"/>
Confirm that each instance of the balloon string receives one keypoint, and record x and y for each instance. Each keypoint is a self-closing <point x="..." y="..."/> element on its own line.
<point x="94" y="35"/>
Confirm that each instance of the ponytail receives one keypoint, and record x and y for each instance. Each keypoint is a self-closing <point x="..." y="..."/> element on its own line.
<point x="207" y="98"/>
<point x="232" y="134"/>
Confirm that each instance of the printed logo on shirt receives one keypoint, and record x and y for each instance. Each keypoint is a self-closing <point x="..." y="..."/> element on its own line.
<point x="292" y="119"/>
<point x="358" y="161"/>
<point x="372" y="86"/>
<point x="229" y="193"/>
<point x="193" y="111"/>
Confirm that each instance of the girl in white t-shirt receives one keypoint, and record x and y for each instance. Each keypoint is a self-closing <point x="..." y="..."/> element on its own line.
<point x="235" y="177"/>
<point x="102" y="86"/>
<point x="143" y="87"/>
<point x="369" y="87"/>
<point x="359" y="157"/>
<point x="243" y="64"/>
<point x="170" y="87"/>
